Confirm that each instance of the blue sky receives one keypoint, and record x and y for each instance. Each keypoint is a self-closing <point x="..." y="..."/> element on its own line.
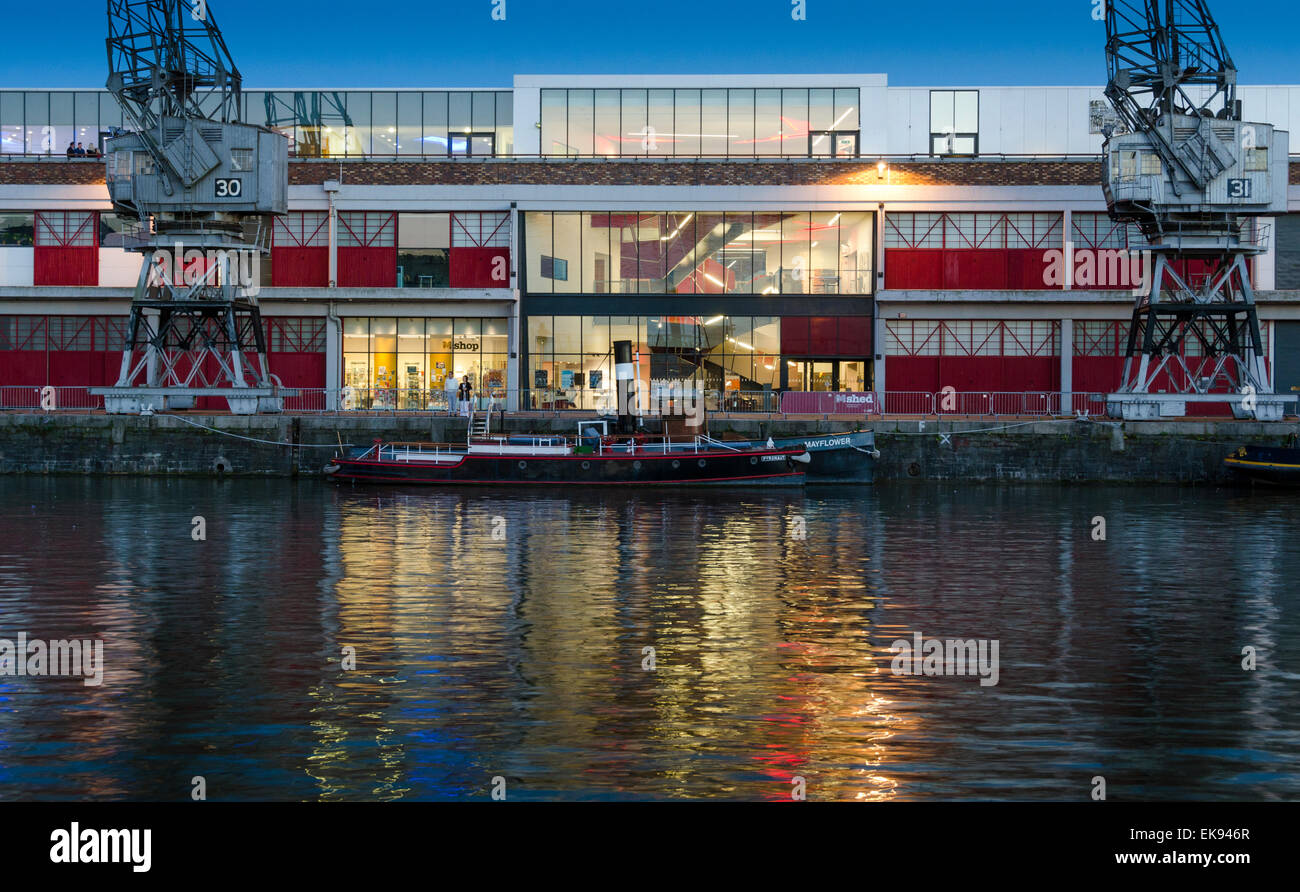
<point x="455" y="43"/>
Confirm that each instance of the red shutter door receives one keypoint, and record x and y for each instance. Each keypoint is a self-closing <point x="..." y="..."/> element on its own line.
<point x="913" y="268"/>
<point x="300" y="250"/>
<point x="66" y="248"/>
<point x="480" y="267"/>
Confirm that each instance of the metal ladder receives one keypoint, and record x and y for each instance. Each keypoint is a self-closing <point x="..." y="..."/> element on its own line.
<point x="478" y="426"/>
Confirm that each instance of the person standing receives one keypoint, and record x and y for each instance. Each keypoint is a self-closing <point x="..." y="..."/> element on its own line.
<point x="465" y="392"/>
<point x="449" y="385"/>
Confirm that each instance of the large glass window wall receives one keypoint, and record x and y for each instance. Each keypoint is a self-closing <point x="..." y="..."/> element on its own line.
<point x="571" y="362"/>
<point x="693" y="123"/>
<point x="404" y="363"/>
<point x="706" y="252"/>
<point x="317" y="122"/>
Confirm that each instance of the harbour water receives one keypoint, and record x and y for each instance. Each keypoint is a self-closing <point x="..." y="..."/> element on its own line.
<point x="499" y="634"/>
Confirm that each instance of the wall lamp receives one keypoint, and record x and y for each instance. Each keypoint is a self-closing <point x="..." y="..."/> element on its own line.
<point x="881" y="168"/>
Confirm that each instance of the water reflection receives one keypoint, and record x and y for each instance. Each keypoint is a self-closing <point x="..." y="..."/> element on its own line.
<point x="497" y="634"/>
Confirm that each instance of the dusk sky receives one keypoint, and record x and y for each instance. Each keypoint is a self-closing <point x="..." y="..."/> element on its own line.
<point x="455" y="43"/>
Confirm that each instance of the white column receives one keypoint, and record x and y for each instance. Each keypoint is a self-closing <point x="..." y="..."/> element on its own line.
<point x="1067" y="226"/>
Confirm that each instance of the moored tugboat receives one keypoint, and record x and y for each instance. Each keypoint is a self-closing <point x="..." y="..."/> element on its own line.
<point x="592" y="458"/>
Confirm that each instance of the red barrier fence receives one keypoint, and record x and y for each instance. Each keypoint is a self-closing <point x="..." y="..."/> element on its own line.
<point x="800" y="403"/>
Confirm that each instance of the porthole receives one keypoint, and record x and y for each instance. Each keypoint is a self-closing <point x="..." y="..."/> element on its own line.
<point x="522" y="465"/>
<point x="636" y="465"/>
<point x="753" y="460"/>
<point x="676" y="464"/>
<point x="701" y="463"/>
<point x="586" y="466"/>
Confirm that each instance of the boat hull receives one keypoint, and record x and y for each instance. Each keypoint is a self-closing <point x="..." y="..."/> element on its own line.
<point x="834" y="458"/>
<point x="1272" y="466"/>
<point x="777" y="467"/>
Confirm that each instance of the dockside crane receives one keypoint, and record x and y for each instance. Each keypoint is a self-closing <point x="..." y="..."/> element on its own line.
<point x="1195" y="179"/>
<point x="202" y="185"/>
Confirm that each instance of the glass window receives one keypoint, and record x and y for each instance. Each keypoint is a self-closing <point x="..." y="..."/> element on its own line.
<point x="714" y="136"/>
<point x="17" y="230"/>
<point x="568" y="334"/>
<point x="954" y="122"/>
<point x="821" y="109"/>
<point x="686" y="123"/>
<point x="857" y="253"/>
<point x="538" y="236"/>
<point x="40" y="139"/>
<point x="679" y="253"/>
<point x="737" y="252"/>
<point x="596" y="255"/>
<point x="795" y="240"/>
<point x="581" y="122"/>
<point x="567" y="252"/>
<point x="483" y="111"/>
<point x="608" y="133"/>
<point x="633" y="135"/>
<point x="846" y="110"/>
<point x="435" y="123"/>
<point x="794" y="120"/>
<point x="357" y="130"/>
<point x="767" y="122"/>
<point x="649" y="234"/>
<point x="711" y="274"/>
<point x="384" y="111"/>
<point x="555" y="122"/>
<point x="505" y="130"/>
<point x="460" y="112"/>
<point x="61" y="132"/>
<point x="11" y="123"/>
<point x="86" y="118"/>
<point x="356" y="353"/>
<point x="659" y="123"/>
<point x="410" y="113"/>
<point x="422" y="250"/>
<point x="824" y="253"/>
<point x="740" y="122"/>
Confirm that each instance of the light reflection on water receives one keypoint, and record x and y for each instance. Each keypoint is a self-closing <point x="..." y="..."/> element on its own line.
<point x="521" y="656"/>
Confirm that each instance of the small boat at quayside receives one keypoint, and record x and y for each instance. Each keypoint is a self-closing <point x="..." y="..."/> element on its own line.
<point x="1272" y="465"/>
<point x="594" y="457"/>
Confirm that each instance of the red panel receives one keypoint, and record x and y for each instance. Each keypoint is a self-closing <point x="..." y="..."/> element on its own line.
<point x="794" y="335"/>
<point x="968" y="373"/>
<point x="1025" y="373"/>
<point x="300" y="267"/>
<point x="22" y="367"/>
<point x="913" y="268"/>
<point x="299" y="369"/>
<point x="480" y="267"/>
<point x="367" y="267"/>
<point x="855" y="336"/>
<point x="1027" y="269"/>
<point x="975" y="268"/>
<point x="822" y="336"/>
<point x="907" y="374"/>
<point x="1097" y="374"/>
<point x="66" y="266"/>
<point x="71" y="368"/>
